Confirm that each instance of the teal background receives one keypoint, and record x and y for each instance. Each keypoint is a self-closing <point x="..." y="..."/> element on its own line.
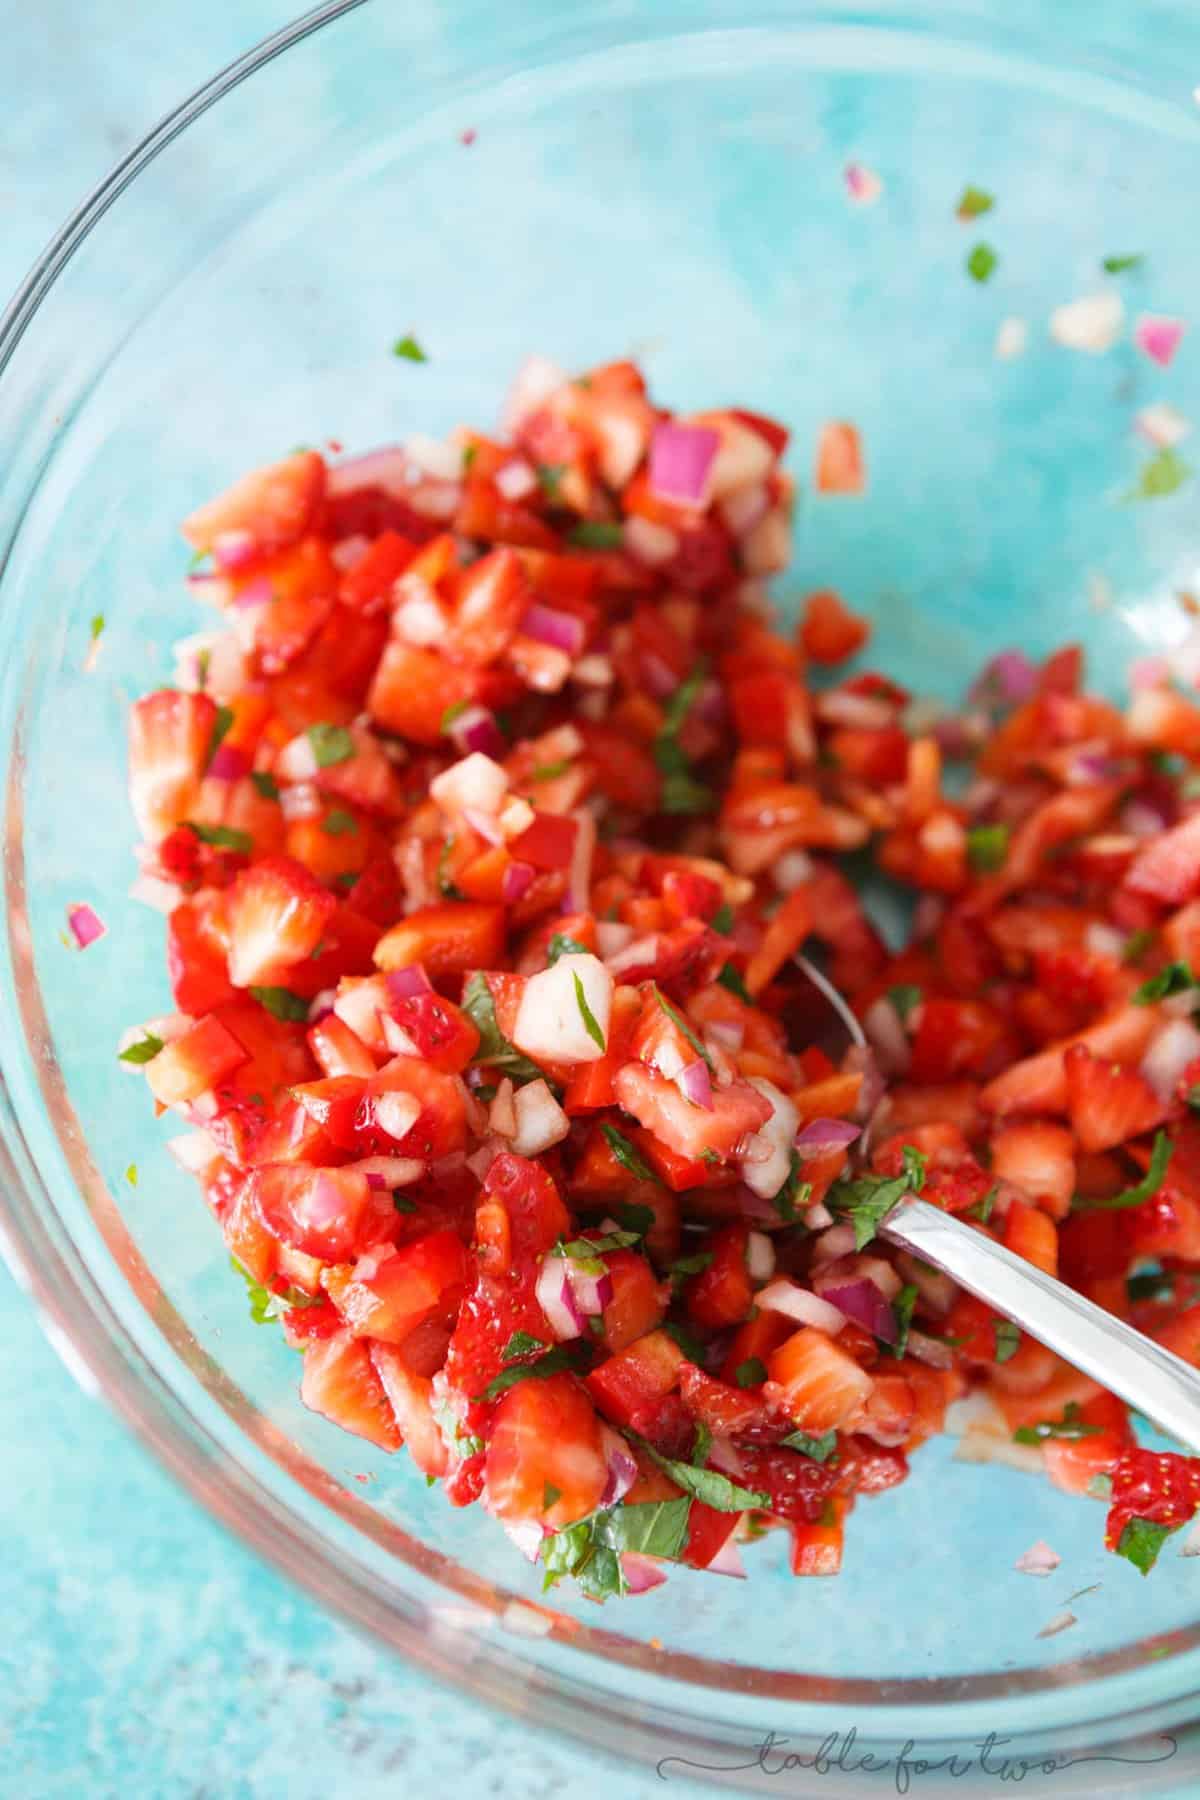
<point x="144" y="1652"/>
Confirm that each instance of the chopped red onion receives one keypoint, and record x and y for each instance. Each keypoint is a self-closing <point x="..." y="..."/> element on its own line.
<point x="1169" y="1054"/>
<point x="1039" y="1559"/>
<point x="547" y="625"/>
<point x="517" y="880"/>
<point x="862" y="1302"/>
<point x="1009" y="678"/>
<point x="622" y="1466"/>
<point x="476" y="729"/>
<point x="402" y="984"/>
<point x="641" y="1572"/>
<point x="695" y="1085"/>
<point x="300" y="801"/>
<point x="387" y="468"/>
<point x="556" y="1297"/>
<point x="798" y="1303"/>
<point x="1159" y="336"/>
<point x="234" y="549"/>
<point x="858" y="712"/>
<point x="642" y="951"/>
<point x="1089" y="766"/>
<point x="1141" y="819"/>
<point x="727" y="1561"/>
<point x="85" y="924"/>
<point x="817" y="1216"/>
<point x="658" y="676"/>
<point x="820" y="1136"/>
<point x="681" y="460"/>
<point x="728" y="1034"/>
<point x="228" y="763"/>
<point x="485" y="824"/>
<point x="592" y="1292"/>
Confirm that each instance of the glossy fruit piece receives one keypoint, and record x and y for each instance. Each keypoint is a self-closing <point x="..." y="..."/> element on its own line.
<point x="411" y="1399"/>
<point x="829" y="631"/>
<point x="590" y="1088"/>
<point x="410" y="1108"/>
<point x="194" y="1063"/>
<point x="318" y="1211"/>
<point x="822" y="1388"/>
<point x="783" y="937"/>
<point x="1038" y="1084"/>
<point x="641" y="1374"/>
<point x="341" y="1382"/>
<point x="264" y="511"/>
<point x="799" y="1488"/>
<point x="490" y="598"/>
<point x="333" y="1105"/>
<point x="275" y="914"/>
<point x="338" y="1050"/>
<point x="413" y="689"/>
<point x="761" y="1334"/>
<point x="170" y="738"/>
<point x="439" y="1031"/>
<point x="368" y="585"/>
<point x="393" y="1291"/>
<point x="1039" y="1158"/>
<point x="1107" y="1104"/>
<point x="1156" y="1485"/>
<point x="446" y="939"/>
<point x="688" y="1130"/>
<point x="887" y="1418"/>
<point x="638" y="1299"/>
<point x="545" y="1441"/>
<point x="196" y="956"/>
<point x="817" y="1548"/>
<point x="722" y="1293"/>
<point x="1168" y="869"/>
<point x="298" y="588"/>
<point x="729" y="1410"/>
<point x="1073" y="1464"/>
<point x="1030" y="1234"/>
<point x="955" y="1038"/>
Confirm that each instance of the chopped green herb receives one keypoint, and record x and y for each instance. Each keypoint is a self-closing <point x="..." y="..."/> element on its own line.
<point x="631" y="1216"/>
<point x="1161" y="475"/>
<point x="494" y="1048"/>
<point x="1137" y="943"/>
<point x="595" y="534"/>
<point x="220" y="730"/>
<point x="868" y="1201"/>
<point x="447" y="886"/>
<point x="982" y="1209"/>
<point x="265" y="784"/>
<point x="281" y="1003"/>
<point x="981" y="262"/>
<point x="331" y="744"/>
<point x="346" y="880"/>
<point x="340" y="823"/>
<point x="722" y="919"/>
<point x="589" y="1550"/>
<point x="677" y="1019"/>
<point x="470" y="452"/>
<point x="591" y="1023"/>
<point x="144" y="1051"/>
<point x="266" y="1305"/>
<point x="685" y="1266"/>
<point x="818" y="1449"/>
<point x="794" y="1193"/>
<point x="585" y="1253"/>
<point x="1008" y="1339"/>
<point x="1071" y="1428"/>
<point x="521" y="1343"/>
<point x="904" y="997"/>
<point x="716" y="1490"/>
<point x="402" y="1203"/>
<point x="680" y="793"/>
<point x="97" y="627"/>
<point x="1176" y="978"/>
<point x="549" y="771"/>
<point x="1144" y="1190"/>
<point x="549" y="477"/>
<point x="974" y="202"/>
<point x="550" y="1364"/>
<point x="701" y="1445"/>
<point x="710" y="1156"/>
<point x="682" y="797"/>
<point x="203" y="663"/>
<point x="195" y="559"/>
<point x="1141" y="1541"/>
<point x="454" y="711"/>
<point x="987" y="847"/>
<point x="729" y="978"/>
<point x="629" y="1159"/>
<point x="1117" y="265"/>
<point x="686" y="1338"/>
<point x="550" y="1494"/>
<point x="902" y="1309"/>
<point x="408" y="349"/>
<point x="751" y="1373"/>
<point x="562" y="945"/>
<point x="221" y="837"/>
<point x="131" y="1174"/>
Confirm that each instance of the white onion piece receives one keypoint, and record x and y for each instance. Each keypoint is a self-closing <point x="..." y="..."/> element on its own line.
<point x="193" y="1151"/>
<point x="541" y="1121"/>
<point x="1104" y="940"/>
<point x="433" y="456"/>
<point x="391" y="1171"/>
<point x="557" y="1300"/>
<point x="502" y="1117"/>
<point x="837" y="1241"/>
<point x="299" y="802"/>
<point x="612" y="937"/>
<point x="535" y="381"/>
<point x="808" y="1309"/>
<point x="515" y="480"/>
<point x="149" y="890"/>
<point x="767" y="1153"/>
<point x="475" y="782"/>
<point x="929" y="1351"/>
<point x="760" y="1257"/>
<point x="1092" y="324"/>
<point x="883" y="1026"/>
<point x="594" y="671"/>
<point x="396" y="1039"/>
<point x="649" y="542"/>
<point x="1170" y="1052"/>
<point x="395" y="1113"/>
<point x="550" y="1024"/>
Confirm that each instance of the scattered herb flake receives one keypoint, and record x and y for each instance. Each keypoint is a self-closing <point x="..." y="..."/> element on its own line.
<point x="551" y="1363"/>
<point x="454" y="711"/>
<point x="144" y="1051"/>
<point x="722" y="919"/>
<point x="590" y="1022"/>
<point x="902" y="1309"/>
<point x="1117" y="265"/>
<point x="1137" y="943"/>
<point x="1008" y="1339"/>
<point x="1161" y="475"/>
<point x="265" y="784"/>
<point x="678" y="1020"/>
<point x="1149" y="1283"/>
<point x="701" y="1445"/>
<point x="685" y="1266"/>
<point x="794" y="1193"/>
<point x="562" y="945"/>
<point x="222" y="837"/>
<point x="340" y="823"/>
<point x="1144" y="1190"/>
<point x="982" y="1209"/>
<point x="595" y="534"/>
<point x="494" y="1048"/>
<point x="548" y="771"/>
<point x="550" y="1494"/>
<point x="1141" y="1541"/>
<point x="686" y="1338"/>
<point x="1176" y="978"/>
<point x="729" y="978"/>
<point x="714" y="1489"/>
<point x="1071" y="1428"/>
<point x="549" y="476"/>
<point x="281" y="1003"/>
<point x="401" y="1201"/>
<point x="981" y="262"/>
<point x="408" y="349"/>
<point x="751" y="1373"/>
<point x="904" y="998"/>
<point x="630" y="1215"/>
<point x="585" y="1253"/>
<point x="987" y="847"/>
<point x="818" y="1449"/>
<point x="131" y="1174"/>
<point x="331" y="744"/>
<point x="973" y="203"/>
<point x="630" y="1160"/>
<point x="522" y="1343"/>
<point x="97" y="627"/>
<point x="220" y="731"/>
<point x="867" y="1201"/>
<point x="447" y="887"/>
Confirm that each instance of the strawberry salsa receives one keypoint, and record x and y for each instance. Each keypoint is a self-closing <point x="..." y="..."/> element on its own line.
<point x="506" y="855"/>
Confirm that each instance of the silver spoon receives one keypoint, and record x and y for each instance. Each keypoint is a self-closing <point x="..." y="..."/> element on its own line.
<point x="1157" y="1382"/>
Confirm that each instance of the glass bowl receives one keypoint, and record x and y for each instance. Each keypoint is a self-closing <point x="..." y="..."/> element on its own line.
<point x="661" y="177"/>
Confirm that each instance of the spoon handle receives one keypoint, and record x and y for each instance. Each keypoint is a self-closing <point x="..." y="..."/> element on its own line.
<point x="1155" y="1381"/>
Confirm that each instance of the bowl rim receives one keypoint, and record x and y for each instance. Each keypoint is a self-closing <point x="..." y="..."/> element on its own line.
<point x="104" y="1356"/>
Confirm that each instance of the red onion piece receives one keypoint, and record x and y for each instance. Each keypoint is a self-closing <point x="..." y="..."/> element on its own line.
<point x="85" y="924"/>
<point x="681" y="460"/>
<point x="862" y="1302"/>
<point x="515" y="479"/>
<point x="228" y="763"/>
<point x="557" y="1300"/>
<point x="561" y="630"/>
<point x="820" y="1136"/>
<point x="622" y="1467"/>
<point x="255" y="593"/>
<point x="727" y="1561"/>
<point x="234" y="549"/>
<point x="799" y="1304"/>
<point x="476" y="729"/>
<point x="723" y="1454"/>
<point x="516" y="882"/>
<point x="1039" y="1559"/>
<point x="1008" y="679"/>
<point x="641" y="1572"/>
<point x="592" y="1292"/>
<point x="387" y="468"/>
<point x="694" y="1084"/>
<point x="402" y="984"/>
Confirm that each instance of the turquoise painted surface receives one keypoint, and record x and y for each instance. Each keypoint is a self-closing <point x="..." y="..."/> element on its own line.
<point x="201" y="1675"/>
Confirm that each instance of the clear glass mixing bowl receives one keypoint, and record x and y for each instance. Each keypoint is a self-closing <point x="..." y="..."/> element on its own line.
<point x="666" y="177"/>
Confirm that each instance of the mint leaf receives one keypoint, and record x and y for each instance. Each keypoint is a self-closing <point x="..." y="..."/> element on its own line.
<point x="331" y="744"/>
<point x="1008" y="1339"/>
<point x="1141" y="1541"/>
<point x="904" y="997"/>
<point x="868" y="1201"/>
<point x="982" y="262"/>
<point x="751" y="1373"/>
<point x="265" y="784"/>
<point x="722" y="919"/>
<point x="987" y="847"/>
<point x="552" y="1363"/>
<point x="590" y="1022"/>
<point x="220" y="731"/>
<point x="716" y="1490"/>
<point x="633" y="1217"/>
<point x="494" y="1048"/>
<point x="144" y="1051"/>
<point x="281" y="1003"/>
<point x="1070" y="1428"/>
<point x="340" y="823"/>
<point x="678" y="1019"/>
<point x="562" y="945"/>
<point x="629" y="1159"/>
<point x="1176" y="978"/>
<point x="730" y="978"/>
<point x="1162" y="475"/>
<point x="902" y="1309"/>
<point x="974" y="202"/>
<point x="521" y="1343"/>
<point x="596" y="534"/>
<point x="685" y="1266"/>
<point x="1117" y="265"/>
<point x="585" y="1253"/>
<point x="1144" y="1190"/>
<point x="818" y="1449"/>
<point x="794" y="1193"/>
<point x="408" y="349"/>
<point x="221" y="837"/>
<point x="455" y="709"/>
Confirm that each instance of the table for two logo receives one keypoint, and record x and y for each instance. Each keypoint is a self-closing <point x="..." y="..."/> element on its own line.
<point x="907" y="1766"/>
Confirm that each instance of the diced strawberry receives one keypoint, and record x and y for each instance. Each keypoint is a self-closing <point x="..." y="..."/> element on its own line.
<point x="193" y="1063"/>
<point x="1156" y="1485"/>
<point x="1040" y="1159"/>
<point x="638" y="1376"/>
<point x="799" y="1488"/>
<point x="888" y="1415"/>
<point x="447" y="939"/>
<point x="275" y="916"/>
<point x="722" y="1293"/>
<point x="368" y="585"/>
<point x="391" y="1292"/>
<point x="1074" y="1463"/>
<point x="264" y="511"/>
<point x="737" y="1111"/>
<point x="637" y="1303"/>
<point x="817" y="1548"/>
<point x="170" y="740"/>
<point x="1038" y="1084"/>
<point x="1030" y="1234"/>
<point x="839" y="464"/>
<point x="708" y="1531"/>
<point x="196" y="957"/>
<point x="411" y="1399"/>
<point x="829" y="631"/>
<point x="545" y="1457"/>
<point x="957" y="1037"/>
<point x="1107" y="1104"/>
<point x="438" y="1030"/>
<point x="1168" y="869"/>
<point x="410" y="1108"/>
<point x="318" y="1211"/>
<point x="341" y="1382"/>
<point x="822" y="1388"/>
